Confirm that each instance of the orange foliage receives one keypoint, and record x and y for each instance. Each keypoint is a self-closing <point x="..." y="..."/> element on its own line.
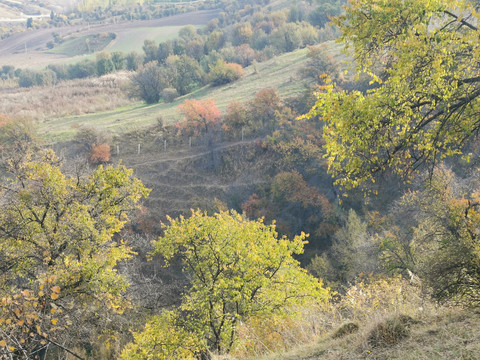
<point x="292" y="187"/>
<point x="100" y="154"/>
<point x="200" y="116"/>
<point x="236" y="69"/>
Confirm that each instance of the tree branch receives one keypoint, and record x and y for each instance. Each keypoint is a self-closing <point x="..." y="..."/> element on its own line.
<point x="461" y="20"/>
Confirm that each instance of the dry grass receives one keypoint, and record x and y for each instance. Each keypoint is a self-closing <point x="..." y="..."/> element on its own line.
<point x="391" y="326"/>
<point x="395" y="322"/>
<point x="69" y="98"/>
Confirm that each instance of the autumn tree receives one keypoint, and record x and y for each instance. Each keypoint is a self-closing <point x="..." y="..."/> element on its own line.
<point x="236" y="117"/>
<point x="201" y="116"/>
<point x="263" y="107"/>
<point x="59" y="253"/>
<point x="17" y="137"/>
<point x="352" y="253"/>
<point x="319" y="62"/>
<point x="242" y="33"/>
<point x="239" y="269"/>
<point x="183" y="73"/>
<point x="424" y="58"/>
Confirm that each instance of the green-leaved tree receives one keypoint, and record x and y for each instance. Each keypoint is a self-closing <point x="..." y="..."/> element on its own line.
<point x="239" y="269"/>
<point x="424" y="57"/>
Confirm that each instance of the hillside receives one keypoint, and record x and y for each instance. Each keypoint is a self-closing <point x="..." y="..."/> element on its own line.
<point x="281" y="73"/>
<point x="449" y="334"/>
<point x="29" y="49"/>
<point x="229" y="184"/>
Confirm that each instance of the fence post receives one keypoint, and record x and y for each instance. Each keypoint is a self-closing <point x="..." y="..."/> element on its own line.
<point x="118" y="150"/>
<point x="165" y="145"/>
<point x="138" y="150"/>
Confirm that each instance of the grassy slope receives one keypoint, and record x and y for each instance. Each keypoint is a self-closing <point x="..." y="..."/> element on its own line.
<point x="451" y="334"/>
<point x="280" y="72"/>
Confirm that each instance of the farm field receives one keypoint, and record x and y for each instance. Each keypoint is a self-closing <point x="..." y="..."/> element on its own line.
<point x="29" y="49"/>
<point x="280" y="72"/>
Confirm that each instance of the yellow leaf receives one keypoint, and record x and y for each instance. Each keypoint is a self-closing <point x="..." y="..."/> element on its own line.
<point x="3" y="343"/>
<point x="56" y="289"/>
<point x="54" y="321"/>
<point x="54" y="296"/>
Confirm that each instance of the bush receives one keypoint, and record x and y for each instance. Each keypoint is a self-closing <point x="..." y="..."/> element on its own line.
<point x="346" y="329"/>
<point x="177" y="343"/>
<point x="222" y="73"/>
<point x="169" y="94"/>
<point x="100" y="154"/>
<point x="390" y="331"/>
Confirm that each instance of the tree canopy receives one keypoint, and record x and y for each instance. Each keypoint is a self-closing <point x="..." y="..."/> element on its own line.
<point x="239" y="269"/>
<point x="58" y="251"/>
<point x="423" y="57"/>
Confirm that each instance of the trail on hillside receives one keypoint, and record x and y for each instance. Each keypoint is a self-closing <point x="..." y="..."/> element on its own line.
<point x="181" y="181"/>
<point x="171" y="157"/>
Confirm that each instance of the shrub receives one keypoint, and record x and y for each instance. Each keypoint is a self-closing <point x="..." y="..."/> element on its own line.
<point x="390" y="331"/>
<point x="100" y="154"/>
<point x="169" y="94"/>
<point x="223" y="73"/>
<point x="346" y="329"/>
<point x="176" y="342"/>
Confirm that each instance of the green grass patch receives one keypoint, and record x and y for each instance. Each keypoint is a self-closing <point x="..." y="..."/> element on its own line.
<point x="132" y="40"/>
<point x="83" y="45"/>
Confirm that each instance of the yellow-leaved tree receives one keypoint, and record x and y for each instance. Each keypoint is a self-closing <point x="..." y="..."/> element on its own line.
<point x="239" y="269"/>
<point x="58" y="253"/>
<point x="424" y="59"/>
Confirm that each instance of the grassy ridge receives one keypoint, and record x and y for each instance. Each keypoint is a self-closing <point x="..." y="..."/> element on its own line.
<point x="280" y="72"/>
